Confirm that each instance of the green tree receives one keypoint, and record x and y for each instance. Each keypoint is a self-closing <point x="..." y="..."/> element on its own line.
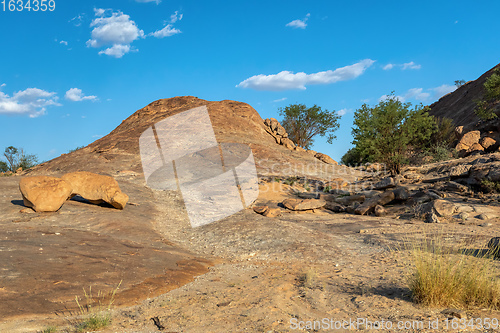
<point x="385" y="132"/>
<point x="303" y="124"/>
<point x="16" y="158"/>
<point x="459" y="83"/>
<point x="3" y="167"/>
<point x="486" y="107"/>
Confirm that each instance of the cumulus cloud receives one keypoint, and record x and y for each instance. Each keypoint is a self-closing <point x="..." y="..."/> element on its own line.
<point x="113" y="29"/>
<point x="286" y="80"/>
<point x="76" y="95"/>
<point x="405" y="66"/>
<point x="301" y="24"/>
<point x="169" y="29"/>
<point x="32" y="102"/>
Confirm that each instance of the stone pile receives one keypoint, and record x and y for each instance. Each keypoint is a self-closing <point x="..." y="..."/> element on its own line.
<point x="475" y="142"/>
<point x="48" y="194"/>
<point x="278" y="132"/>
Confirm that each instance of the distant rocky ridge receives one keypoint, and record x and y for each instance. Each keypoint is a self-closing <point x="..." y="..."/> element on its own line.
<point x="459" y="105"/>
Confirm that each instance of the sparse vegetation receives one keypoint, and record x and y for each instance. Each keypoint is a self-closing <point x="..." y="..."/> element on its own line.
<point x="327" y="189"/>
<point x="490" y="186"/>
<point x="96" y="310"/>
<point x="486" y="107"/>
<point x="16" y="158"/>
<point x="459" y="83"/>
<point x="308" y="279"/>
<point x="449" y="276"/>
<point x="49" y="329"/>
<point x="385" y="132"/>
<point x="303" y="124"/>
<point x="75" y="149"/>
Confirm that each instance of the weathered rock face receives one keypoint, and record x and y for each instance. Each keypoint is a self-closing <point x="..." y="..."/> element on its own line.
<point x="487" y="142"/>
<point x="44" y="194"/>
<point x="379" y="199"/>
<point x="468" y="143"/>
<point x="96" y="188"/>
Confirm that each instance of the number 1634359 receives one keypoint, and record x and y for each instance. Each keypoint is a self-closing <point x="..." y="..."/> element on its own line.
<point x="27" y="5"/>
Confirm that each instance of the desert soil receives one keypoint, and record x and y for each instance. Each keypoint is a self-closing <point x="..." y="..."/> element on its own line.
<point x="246" y="273"/>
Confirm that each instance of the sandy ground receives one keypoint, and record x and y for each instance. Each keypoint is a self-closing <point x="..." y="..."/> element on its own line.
<point x="286" y="274"/>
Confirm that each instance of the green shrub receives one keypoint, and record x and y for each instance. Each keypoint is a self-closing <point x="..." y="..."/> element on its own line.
<point x="486" y="108"/>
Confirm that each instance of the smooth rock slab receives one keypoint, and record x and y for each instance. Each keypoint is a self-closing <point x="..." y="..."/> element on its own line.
<point x="44" y="194"/>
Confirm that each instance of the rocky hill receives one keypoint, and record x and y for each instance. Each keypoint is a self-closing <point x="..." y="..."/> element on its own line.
<point x="233" y="122"/>
<point x="459" y="105"/>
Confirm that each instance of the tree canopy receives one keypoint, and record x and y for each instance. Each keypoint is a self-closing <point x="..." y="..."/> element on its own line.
<point x="385" y="132"/>
<point x="303" y="124"/>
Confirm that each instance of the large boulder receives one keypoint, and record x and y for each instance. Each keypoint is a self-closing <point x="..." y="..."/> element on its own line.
<point x="96" y="188"/>
<point x="44" y="194"/>
<point x="325" y="158"/>
<point x="468" y="140"/>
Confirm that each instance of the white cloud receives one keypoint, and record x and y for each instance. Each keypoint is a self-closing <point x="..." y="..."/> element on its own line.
<point x="418" y="94"/>
<point x="76" y="95"/>
<point x="63" y="42"/>
<point x="342" y="112"/>
<point x="301" y="24"/>
<point x="117" y="50"/>
<point x="77" y="20"/>
<point x="410" y="65"/>
<point x="288" y="80"/>
<point x="175" y="17"/>
<point x="429" y="95"/>
<point x="113" y="29"/>
<point x="405" y="66"/>
<point x="169" y="29"/>
<point x="280" y="100"/>
<point x="32" y="102"/>
<point x="145" y="1"/>
<point x="443" y="90"/>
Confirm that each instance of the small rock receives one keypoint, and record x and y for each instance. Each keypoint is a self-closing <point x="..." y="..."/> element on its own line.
<point x="485" y="224"/>
<point x="380" y="211"/>
<point x="309" y="195"/>
<point x="351" y="209"/>
<point x="335" y="207"/>
<point x="381" y="199"/>
<point x="454" y="187"/>
<point x="300" y="149"/>
<point x="463" y="216"/>
<point x="460" y="170"/>
<point x="385" y="183"/>
<point x="482" y="217"/>
<point x="272" y="212"/>
<point x="325" y="158"/>
<point x="487" y="142"/>
<point x="27" y="211"/>
<point x="444" y="208"/>
<point x="431" y="218"/>
<point x="349" y="199"/>
<point x="401" y="193"/>
<point x="306" y="204"/>
<point x="454" y="313"/>
<point x="260" y="209"/>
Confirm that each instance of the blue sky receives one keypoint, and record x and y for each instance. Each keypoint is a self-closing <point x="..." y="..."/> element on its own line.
<point x="71" y="75"/>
